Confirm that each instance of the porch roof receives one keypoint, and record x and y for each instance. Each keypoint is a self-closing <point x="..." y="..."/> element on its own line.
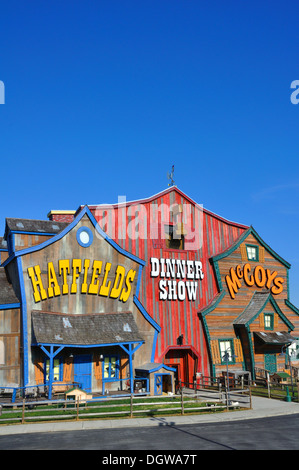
<point x="153" y="367"/>
<point x="277" y="337"/>
<point x="84" y="329"/>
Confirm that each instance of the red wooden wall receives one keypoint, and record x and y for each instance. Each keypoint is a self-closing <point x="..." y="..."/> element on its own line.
<point x="175" y="317"/>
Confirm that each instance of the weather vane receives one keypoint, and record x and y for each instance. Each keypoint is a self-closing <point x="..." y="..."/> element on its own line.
<point x="170" y="176"/>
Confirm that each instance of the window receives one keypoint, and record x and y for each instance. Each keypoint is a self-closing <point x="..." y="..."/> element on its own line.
<point x="111" y="367"/>
<point x="268" y="321"/>
<point x="56" y="371"/>
<point x="84" y="236"/>
<point x="174" y="237"/>
<point x="252" y="252"/>
<point x="226" y="348"/>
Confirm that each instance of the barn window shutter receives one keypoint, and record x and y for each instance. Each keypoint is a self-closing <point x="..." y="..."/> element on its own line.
<point x="238" y="350"/>
<point x="124" y="361"/>
<point x="97" y="367"/>
<point x="215" y="351"/>
<point x="262" y="322"/>
<point x="243" y="252"/>
<point x="67" y="370"/>
<point x="275" y="320"/>
<point x="39" y="370"/>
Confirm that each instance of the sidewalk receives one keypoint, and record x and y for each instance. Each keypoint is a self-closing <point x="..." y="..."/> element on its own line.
<point x="261" y="408"/>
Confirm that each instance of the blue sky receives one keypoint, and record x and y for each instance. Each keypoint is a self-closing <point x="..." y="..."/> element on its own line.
<point x="103" y="97"/>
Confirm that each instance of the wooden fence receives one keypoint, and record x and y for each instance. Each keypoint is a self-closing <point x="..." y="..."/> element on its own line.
<point x="133" y="406"/>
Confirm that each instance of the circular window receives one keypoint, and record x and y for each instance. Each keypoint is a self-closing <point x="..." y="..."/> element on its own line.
<point x="84" y="236"/>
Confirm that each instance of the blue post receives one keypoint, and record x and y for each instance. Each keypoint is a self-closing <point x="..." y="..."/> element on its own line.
<point x="131" y="369"/>
<point x="50" y="372"/>
<point x="51" y="356"/>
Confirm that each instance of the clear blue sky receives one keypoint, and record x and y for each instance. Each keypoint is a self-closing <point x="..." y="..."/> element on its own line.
<point x="102" y="97"/>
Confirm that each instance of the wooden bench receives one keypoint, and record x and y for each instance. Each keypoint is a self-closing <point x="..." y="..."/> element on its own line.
<point x="60" y="387"/>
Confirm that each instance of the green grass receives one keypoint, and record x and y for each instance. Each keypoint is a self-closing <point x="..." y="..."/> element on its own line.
<point x="108" y="409"/>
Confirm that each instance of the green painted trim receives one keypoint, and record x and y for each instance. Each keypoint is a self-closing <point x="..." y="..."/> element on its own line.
<point x="277" y="310"/>
<point x="206" y="329"/>
<point x="211" y="307"/>
<point x="281" y="314"/>
<point x="218" y="275"/>
<point x="291" y="306"/>
<point x="271" y="315"/>
<point x="241" y="239"/>
<point x="255" y="316"/>
<point x="214" y="261"/>
<point x="232" y="248"/>
<point x="231" y="340"/>
<point x="207" y="333"/>
<point x="251" y="352"/>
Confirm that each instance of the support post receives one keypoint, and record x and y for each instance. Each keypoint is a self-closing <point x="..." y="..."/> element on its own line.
<point x="130" y="350"/>
<point x="51" y="354"/>
<point x="23" y="411"/>
<point x="51" y="372"/>
<point x="131" y="370"/>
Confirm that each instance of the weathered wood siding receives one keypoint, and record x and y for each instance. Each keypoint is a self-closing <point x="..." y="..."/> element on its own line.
<point x="220" y="320"/>
<point x="10" y="347"/>
<point x="78" y="303"/>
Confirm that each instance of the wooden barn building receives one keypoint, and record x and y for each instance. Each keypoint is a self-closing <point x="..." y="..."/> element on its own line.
<point x="136" y="295"/>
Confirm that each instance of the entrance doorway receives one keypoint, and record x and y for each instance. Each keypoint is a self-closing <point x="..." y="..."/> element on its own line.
<point x="270" y="363"/>
<point x="163" y="383"/>
<point x="185" y="361"/>
<point x="82" y="371"/>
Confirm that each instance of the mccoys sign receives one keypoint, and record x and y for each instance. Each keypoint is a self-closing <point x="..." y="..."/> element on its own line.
<point x="258" y="276"/>
<point x="73" y="277"/>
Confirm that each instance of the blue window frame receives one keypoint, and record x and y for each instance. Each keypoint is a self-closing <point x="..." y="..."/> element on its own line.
<point x="84" y="236"/>
<point x="111" y="367"/>
<point x="57" y="372"/>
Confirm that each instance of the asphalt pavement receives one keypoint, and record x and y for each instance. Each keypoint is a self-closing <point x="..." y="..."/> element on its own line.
<point x="261" y="408"/>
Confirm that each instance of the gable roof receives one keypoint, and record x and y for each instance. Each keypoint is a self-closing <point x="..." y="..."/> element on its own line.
<point x="256" y="305"/>
<point x="252" y="310"/>
<point x="240" y="240"/>
<point x="68" y="227"/>
<point x="158" y="195"/>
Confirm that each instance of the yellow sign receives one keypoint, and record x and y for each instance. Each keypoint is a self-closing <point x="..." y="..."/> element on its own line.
<point x="120" y="287"/>
<point x="260" y="277"/>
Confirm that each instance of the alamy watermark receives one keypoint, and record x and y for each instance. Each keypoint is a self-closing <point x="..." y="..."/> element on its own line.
<point x="156" y="222"/>
<point x="2" y="93"/>
<point x="295" y="95"/>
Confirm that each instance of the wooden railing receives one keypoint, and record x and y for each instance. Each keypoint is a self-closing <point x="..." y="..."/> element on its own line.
<point x="132" y="406"/>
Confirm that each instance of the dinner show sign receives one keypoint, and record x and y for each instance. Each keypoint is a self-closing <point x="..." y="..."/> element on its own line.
<point x="178" y="279"/>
